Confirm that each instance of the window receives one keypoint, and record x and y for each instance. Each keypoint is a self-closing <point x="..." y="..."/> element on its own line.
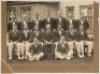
<point x="86" y="13"/>
<point x="11" y="13"/>
<point x="70" y="11"/>
<point x="26" y="10"/>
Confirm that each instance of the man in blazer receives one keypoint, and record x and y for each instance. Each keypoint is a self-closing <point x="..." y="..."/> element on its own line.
<point x="37" y="21"/>
<point x="50" y="20"/>
<point x="13" y="38"/>
<point x="20" y="45"/>
<point x="62" y="49"/>
<point x="48" y="39"/>
<point x="36" y="33"/>
<point x="62" y="22"/>
<point x="36" y="50"/>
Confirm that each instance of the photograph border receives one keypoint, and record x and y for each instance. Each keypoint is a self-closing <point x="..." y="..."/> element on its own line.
<point x="8" y="67"/>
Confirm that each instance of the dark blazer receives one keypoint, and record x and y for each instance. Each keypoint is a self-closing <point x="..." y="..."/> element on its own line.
<point x="37" y="34"/>
<point x="49" y="36"/>
<point x="59" y="33"/>
<point x="85" y="24"/>
<point x="9" y="26"/>
<point x="67" y="35"/>
<point x="83" y="36"/>
<point x="41" y="25"/>
<point x="52" y="23"/>
<point x="74" y="35"/>
<point x="64" y="23"/>
<point x="21" y="36"/>
<point x="76" y="24"/>
<point x="33" y="23"/>
<point x="19" y="25"/>
<point x="62" y="49"/>
<point x="36" y="49"/>
<point x="13" y="35"/>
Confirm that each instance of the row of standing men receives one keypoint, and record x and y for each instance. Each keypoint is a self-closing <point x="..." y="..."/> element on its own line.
<point x="56" y="23"/>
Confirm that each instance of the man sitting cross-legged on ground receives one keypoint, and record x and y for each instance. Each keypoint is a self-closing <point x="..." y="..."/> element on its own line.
<point x="62" y="49"/>
<point x="36" y="50"/>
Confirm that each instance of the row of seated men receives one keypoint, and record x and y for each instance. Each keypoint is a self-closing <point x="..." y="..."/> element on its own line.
<point x="49" y="44"/>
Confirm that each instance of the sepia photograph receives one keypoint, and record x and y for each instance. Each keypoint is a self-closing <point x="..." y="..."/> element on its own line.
<point x="50" y="33"/>
<point x="36" y="32"/>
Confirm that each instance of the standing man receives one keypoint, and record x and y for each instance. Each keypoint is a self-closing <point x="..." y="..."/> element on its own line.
<point x="37" y="22"/>
<point x="62" y="22"/>
<point x="73" y="22"/>
<point x="85" y="24"/>
<point x="49" y="20"/>
<point x="13" y="38"/>
<point x="11" y="20"/>
<point x="24" y="23"/>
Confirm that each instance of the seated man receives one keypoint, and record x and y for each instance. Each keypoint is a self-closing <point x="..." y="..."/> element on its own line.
<point x="49" y="39"/>
<point x="20" y="50"/>
<point x="61" y="50"/>
<point x="80" y="48"/>
<point x="72" y="37"/>
<point x="20" y="45"/>
<point x="82" y="38"/>
<point x="71" y="49"/>
<point x="26" y="42"/>
<point x="36" y="50"/>
<point x="88" y="47"/>
<point x="35" y="33"/>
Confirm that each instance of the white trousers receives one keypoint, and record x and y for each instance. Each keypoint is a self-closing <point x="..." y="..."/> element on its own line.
<point x="27" y="47"/>
<point x="80" y="48"/>
<point x="59" y="55"/>
<point x="20" y="50"/>
<point x="70" y="53"/>
<point x="10" y="49"/>
<point x="36" y="56"/>
<point x="90" y="47"/>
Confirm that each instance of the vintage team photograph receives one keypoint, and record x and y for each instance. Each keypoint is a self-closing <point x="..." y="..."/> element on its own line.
<point x="51" y="31"/>
<point x="38" y="32"/>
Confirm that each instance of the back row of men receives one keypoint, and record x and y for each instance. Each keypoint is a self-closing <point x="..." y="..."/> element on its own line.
<point x="56" y="23"/>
